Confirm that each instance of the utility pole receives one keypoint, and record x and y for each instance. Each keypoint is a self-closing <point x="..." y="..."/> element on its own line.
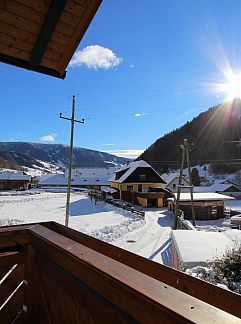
<point x="185" y="152"/>
<point x="70" y="156"/>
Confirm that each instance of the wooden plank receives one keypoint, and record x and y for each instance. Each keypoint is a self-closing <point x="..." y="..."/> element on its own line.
<point x="28" y="13"/>
<point x="19" y="22"/>
<point x="73" y="7"/>
<point x="29" y="39"/>
<point x="197" y="288"/>
<point x="64" y="29"/>
<point x="40" y="6"/>
<point x="31" y="294"/>
<point x="11" y="51"/>
<point x="72" y="18"/>
<point x="79" y="33"/>
<point x="140" y="296"/>
<point x="27" y="47"/>
<point x="12" y="307"/>
<point x="9" y="259"/>
<point x="59" y="286"/>
<point x="18" y="33"/>
<point x="11" y="282"/>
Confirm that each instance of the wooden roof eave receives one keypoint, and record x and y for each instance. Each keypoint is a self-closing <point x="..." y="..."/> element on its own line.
<point x="43" y="36"/>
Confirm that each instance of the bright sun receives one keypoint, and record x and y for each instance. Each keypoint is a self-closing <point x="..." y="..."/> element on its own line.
<point x="233" y="87"/>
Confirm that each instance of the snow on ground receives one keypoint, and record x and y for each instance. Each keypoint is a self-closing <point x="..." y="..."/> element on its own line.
<point x="103" y="221"/>
<point x="149" y="237"/>
<point x="216" y="225"/>
<point x="152" y="240"/>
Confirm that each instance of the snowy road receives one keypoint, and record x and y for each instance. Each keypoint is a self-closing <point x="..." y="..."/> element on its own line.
<point x="152" y="240"/>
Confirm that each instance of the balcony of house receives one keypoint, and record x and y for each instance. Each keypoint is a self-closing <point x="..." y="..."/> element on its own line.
<point x="53" y="274"/>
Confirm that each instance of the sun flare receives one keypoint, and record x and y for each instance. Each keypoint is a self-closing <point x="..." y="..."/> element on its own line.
<point x="233" y="87"/>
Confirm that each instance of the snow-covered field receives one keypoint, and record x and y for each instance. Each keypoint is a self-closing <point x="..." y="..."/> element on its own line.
<point x="149" y="237"/>
<point x="103" y="221"/>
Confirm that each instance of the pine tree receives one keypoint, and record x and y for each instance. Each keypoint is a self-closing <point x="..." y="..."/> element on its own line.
<point x="195" y="177"/>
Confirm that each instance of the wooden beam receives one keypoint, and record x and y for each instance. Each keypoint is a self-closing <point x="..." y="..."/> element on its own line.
<point x="25" y="64"/>
<point x="55" y="10"/>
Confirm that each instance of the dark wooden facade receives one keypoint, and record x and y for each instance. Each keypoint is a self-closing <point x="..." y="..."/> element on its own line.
<point x="150" y="176"/>
<point x="14" y="184"/>
<point x="58" y="275"/>
<point x="204" y="210"/>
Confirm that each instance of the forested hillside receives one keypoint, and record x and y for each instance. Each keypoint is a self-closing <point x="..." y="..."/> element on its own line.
<point x="214" y="135"/>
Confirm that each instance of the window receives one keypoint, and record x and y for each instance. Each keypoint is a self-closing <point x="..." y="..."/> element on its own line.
<point x="129" y="188"/>
<point x="174" y="186"/>
<point x="142" y="177"/>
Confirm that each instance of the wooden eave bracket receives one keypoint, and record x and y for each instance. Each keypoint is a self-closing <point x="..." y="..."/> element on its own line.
<point x="54" y="12"/>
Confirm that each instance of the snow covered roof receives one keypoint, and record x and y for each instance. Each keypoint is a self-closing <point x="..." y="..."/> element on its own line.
<point x="60" y="179"/>
<point x="199" y="196"/>
<point x="171" y="176"/>
<point x="131" y="167"/>
<point x="7" y="175"/>
<point x="217" y="186"/>
<point x="108" y="189"/>
<point x="200" y="247"/>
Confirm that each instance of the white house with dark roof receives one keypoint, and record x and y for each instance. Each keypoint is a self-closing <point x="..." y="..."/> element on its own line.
<point x="172" y="181"/>
<point x="139" y="183"/>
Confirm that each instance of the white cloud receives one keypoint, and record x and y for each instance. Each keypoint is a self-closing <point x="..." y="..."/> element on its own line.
<point x="131" y="154"/>
<point x="140" y="114"/>
<point x="110" y="144"/>
<point x="48" y="138"/>
<point x="96" y="57"/>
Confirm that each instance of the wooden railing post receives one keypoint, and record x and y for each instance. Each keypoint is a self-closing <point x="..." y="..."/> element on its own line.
<point x="32" y="291"/>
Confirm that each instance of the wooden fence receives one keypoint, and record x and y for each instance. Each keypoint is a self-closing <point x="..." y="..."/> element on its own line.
<point x="58" y="275"/>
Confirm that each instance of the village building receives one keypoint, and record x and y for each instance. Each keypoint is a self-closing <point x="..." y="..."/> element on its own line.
<point x="10" y="180"/>
<point x="91" y="178"/>
<point x="225" y="187"/>
<point x="139" y="183"/>
<point x="207" y="205"/>
<point x="191" y="248"/>
<point x="172" y="182"/>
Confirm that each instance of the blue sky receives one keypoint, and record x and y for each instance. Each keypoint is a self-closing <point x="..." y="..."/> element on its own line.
<point x="142" y="69"/>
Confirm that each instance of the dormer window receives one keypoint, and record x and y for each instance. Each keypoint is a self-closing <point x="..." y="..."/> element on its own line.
<point x="142" y="177"/>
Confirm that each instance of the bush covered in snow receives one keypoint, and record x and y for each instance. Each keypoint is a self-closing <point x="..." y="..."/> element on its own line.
<point x="225" y="271"/>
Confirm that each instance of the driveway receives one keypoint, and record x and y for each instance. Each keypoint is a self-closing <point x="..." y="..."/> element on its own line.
<point x="152" y="240"/>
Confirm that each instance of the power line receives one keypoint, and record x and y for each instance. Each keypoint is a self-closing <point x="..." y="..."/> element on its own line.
<point x="147" y="77"/>
<point x="144" y="113"/>
<point x="144" y="97"/>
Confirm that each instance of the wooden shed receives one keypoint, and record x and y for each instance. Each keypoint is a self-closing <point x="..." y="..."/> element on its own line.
<point x="14" y="180"/>
<point x="207" y="205"/>
<point x="43" y="35"/>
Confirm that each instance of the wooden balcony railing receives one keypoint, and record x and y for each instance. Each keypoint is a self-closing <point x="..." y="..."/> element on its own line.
<point x="52" y="274"/>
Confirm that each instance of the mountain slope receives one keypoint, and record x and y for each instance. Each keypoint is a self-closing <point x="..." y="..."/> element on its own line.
<point x="211" y="133"/>
<point x="36" y="155"/>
